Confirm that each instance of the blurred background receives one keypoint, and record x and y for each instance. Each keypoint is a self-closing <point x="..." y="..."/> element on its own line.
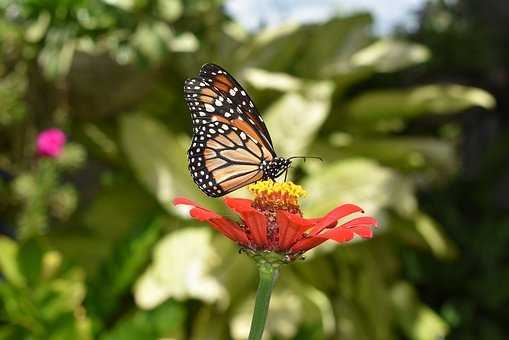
<point x="406" y="102"/>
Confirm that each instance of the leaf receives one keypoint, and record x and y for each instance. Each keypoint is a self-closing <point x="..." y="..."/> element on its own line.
<point x="170" y="10"/>
<point x="418" y="321"/>
<point x="181" y="269"/>
<point x="118" y="273"/>
<point x="8" y="261"/>
<point x="36" y="31"/>
<point x="295" y="118"/>
<point x="150" y="325"/>
<point x="390" y="55"/>
<point x="57" y="54"/>
<point x="434" y="236"/>
<point x="306" y="50"/>
<point x="405" y="104"/>
<point x="359" y="181"/>
<point x="264" y="80"/>
<point x="403" y="153"/>
<point x="30" y="260"/>
<point x="117" y="208"/>
<point x="158" y="160"/>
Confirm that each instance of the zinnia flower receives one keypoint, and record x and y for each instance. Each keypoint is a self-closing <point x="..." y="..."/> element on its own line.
<point x="50" y="143"/>
<point x="272" y="223"/>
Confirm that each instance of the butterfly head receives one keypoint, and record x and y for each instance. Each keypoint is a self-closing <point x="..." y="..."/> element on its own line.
<point x="275" y="168"/>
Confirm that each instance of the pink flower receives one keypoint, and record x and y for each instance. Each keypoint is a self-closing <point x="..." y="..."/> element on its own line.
<point x="50" y="143"/>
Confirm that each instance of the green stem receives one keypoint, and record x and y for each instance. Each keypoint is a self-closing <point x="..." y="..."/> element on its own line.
<point x="268" y="276"/>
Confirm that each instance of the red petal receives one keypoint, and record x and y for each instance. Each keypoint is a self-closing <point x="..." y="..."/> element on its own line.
<point x="333" y="216"/>
<point x="239" y="205"/>
<point x="340" y="235"/>
<point x="363" y="231"/>
<point x="365" y="221"/>
<point x="306" y="244"/>
<point x="227" y="227"/>
<point x="256" y="222"/>
<point x="291" y="228"/>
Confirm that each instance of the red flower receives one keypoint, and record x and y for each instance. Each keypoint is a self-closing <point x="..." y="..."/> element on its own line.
<point x="273" y="221"/>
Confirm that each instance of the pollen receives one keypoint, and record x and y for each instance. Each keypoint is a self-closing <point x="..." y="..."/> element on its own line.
<point x="270" y="194"/>
<point x="269" y="187"/>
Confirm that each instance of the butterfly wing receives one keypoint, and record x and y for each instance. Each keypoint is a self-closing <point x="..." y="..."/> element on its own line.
<point x="222" y="158"/>
<point x="216" y="96"/>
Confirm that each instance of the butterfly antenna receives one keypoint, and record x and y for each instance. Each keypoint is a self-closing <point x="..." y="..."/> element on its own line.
<point x="306" y="157"/>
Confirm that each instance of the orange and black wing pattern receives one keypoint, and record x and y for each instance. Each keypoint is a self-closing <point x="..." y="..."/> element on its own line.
<point x="222" y="158"/>
<point x="216" y="95"/>
<point x="231" y="143"/>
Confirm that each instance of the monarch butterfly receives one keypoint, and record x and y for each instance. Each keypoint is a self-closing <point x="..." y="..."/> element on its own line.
<point x="231" y="146"/>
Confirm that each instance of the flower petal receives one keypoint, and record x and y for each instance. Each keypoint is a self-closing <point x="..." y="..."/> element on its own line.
<point x="363" y="231"/>
<point x="333" y="216"/>
<point x="364" y="221"/>
<point x="239" y="205"/>
<point x="340" y="235"/>
<point x="254" y="220"/>
<point x="306" y="244"/>
<point x="291" y="228"/>
<point x="224" y="225"/>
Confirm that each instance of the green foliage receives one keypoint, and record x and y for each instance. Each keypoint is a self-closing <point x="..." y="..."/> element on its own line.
<point x="100" y="252"/>
<point x="119" y="271"/>
<point x="41" y="297"/>
<point x="154" y="324"/>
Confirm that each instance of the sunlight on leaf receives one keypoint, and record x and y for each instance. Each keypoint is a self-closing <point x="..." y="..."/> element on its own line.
<point x="287" y="116"/>
<point x="358" y="180"/>
<point x="434" y="237"/>
<point x="389" y="55"/>
<point x="264" y="80"/>
<point x="418" y="321"/>
<point x="158" y="160"/>
<point x="434" y="99"/>
<point x="8" y="261"/>
<point x="181" y="269"/>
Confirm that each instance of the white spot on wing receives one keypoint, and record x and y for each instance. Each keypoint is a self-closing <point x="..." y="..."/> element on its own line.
<point x="209" y="108"/>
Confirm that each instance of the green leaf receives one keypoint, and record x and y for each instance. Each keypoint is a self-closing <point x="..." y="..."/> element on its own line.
<point x="57" y="54"/>
<point x="161" y="322"/>
<point x="169" y="10"/>
<point x="404" y="104"/>
<point x="117" y="208"/>
<point x="307" y="50"/>
<point x="36" y="31"/>
<point x="389" y="55"/>
<point x="263" y="80"/>
<point x="286" y="117"/>
<point x="418" y="321"/>
<point x="159" y="160"/>
<point x="434" y="236"/>
<point x="155" y="324"/>
<point x="358" y="181"/>
<point x="182" y="268"/>
<point x="121" y="269"/>
<point x="30" y="260"/>
<point x="403" y="153"/>
<point x="9" y="266"/>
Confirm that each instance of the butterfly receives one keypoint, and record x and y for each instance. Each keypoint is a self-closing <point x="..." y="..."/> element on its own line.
<point x="231" y="146"/>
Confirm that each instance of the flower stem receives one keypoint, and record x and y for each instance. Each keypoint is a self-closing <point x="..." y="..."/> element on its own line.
<point x="268" y="277"/>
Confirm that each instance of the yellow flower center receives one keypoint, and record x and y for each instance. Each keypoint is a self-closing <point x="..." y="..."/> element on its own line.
<point x="277" y="195"/>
